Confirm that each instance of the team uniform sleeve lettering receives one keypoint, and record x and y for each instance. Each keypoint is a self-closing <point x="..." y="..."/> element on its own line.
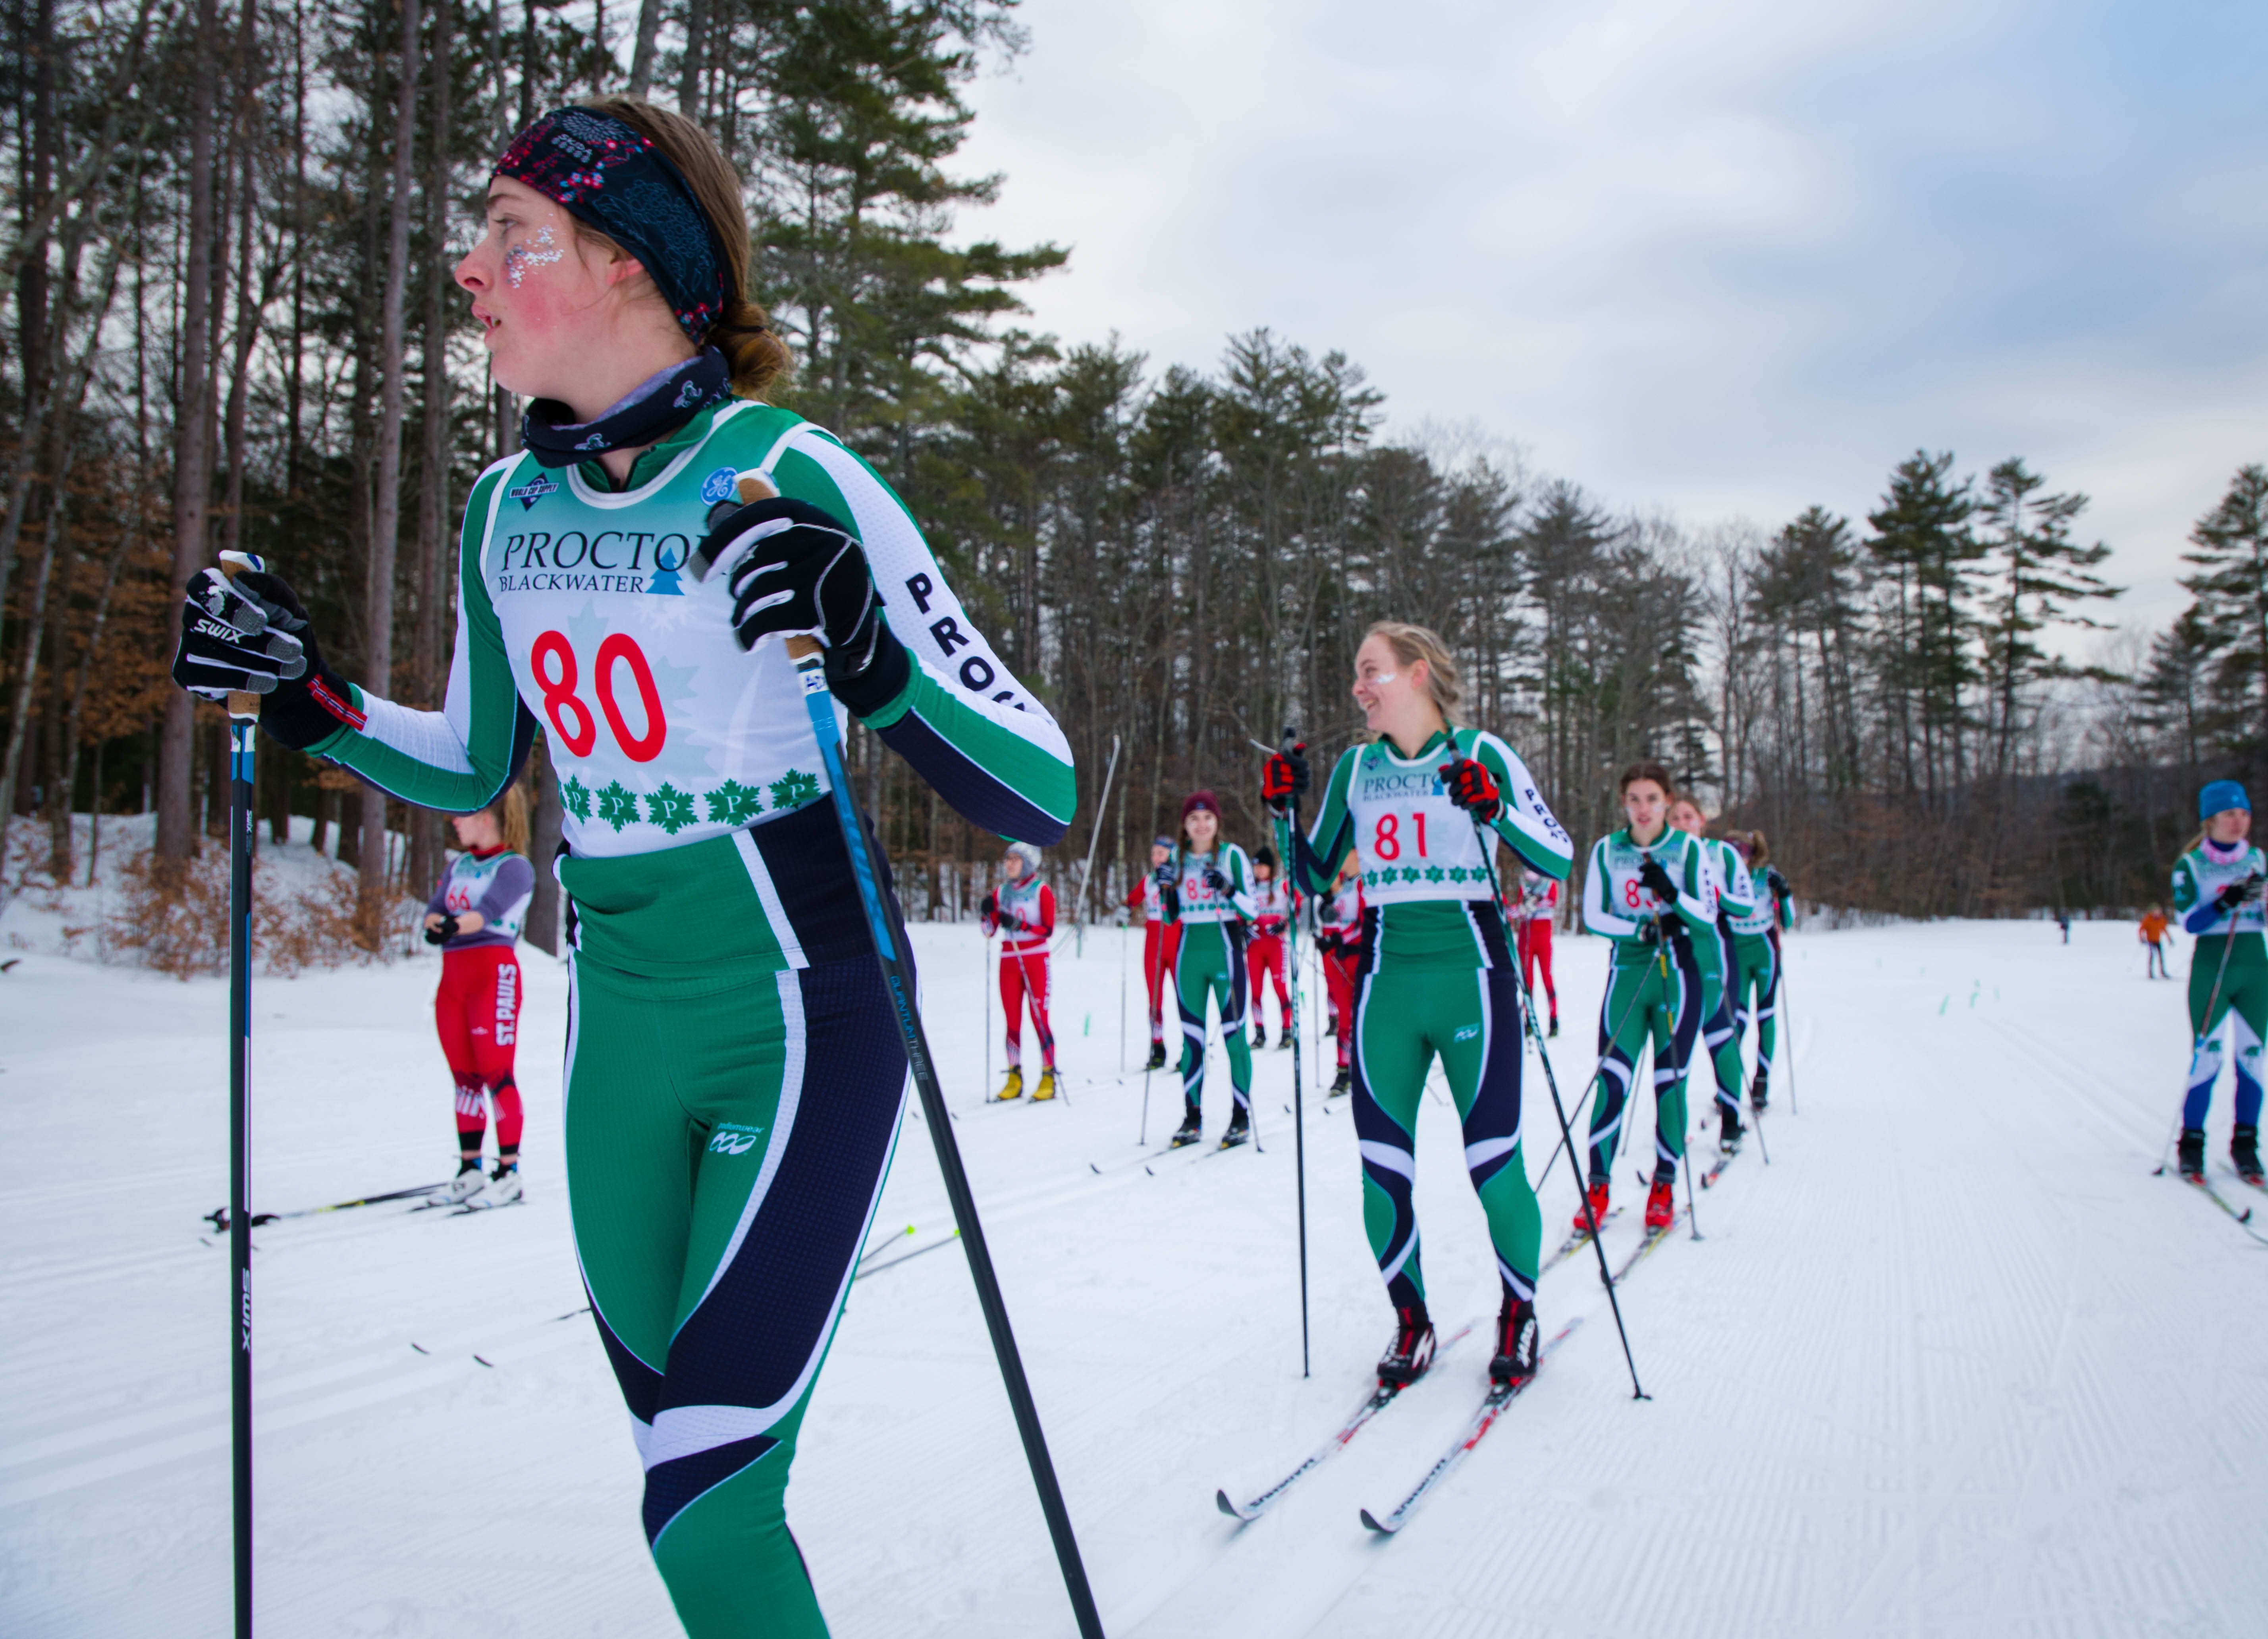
<point x="1697" y="894"/>
<point x="1737" y="893"/>
<point x="460" y="758"/>
<point x="1599" y="915"/>
<point x="1527" y="826"/>
<point x="1240" y="883"/>
<point x="1326" y="842"/>
<point x="982" y="739"/>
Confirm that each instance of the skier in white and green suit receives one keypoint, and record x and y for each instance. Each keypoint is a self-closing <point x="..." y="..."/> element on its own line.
<point x="1728" y="898"/>
<point x="734" y="1079"/>
<point x="1647" y="888"/>
<point x="1437" y="978"/>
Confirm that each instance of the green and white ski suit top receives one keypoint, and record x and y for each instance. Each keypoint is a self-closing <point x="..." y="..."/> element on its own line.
<point x="1730" y="896"/>
<point x="1435" y="978"/>
<point x="1215" y="926"/>
<point x="734" y="1079"/>
<point x="1653" y="987"/>
<point x="2228" y="974"/>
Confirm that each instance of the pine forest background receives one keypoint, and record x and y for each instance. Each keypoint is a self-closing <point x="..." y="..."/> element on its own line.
<point x="230" y="324"/>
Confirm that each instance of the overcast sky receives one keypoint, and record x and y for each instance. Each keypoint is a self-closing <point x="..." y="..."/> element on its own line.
<point x="1719" y="259"/>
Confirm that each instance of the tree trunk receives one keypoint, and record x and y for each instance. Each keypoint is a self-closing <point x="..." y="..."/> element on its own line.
<point x="386" y="508"/>
<point x="543" y="923"/>
<point x="435" y="564"/>
<point x="176" y="838"/>
<point x="649" y="28"/>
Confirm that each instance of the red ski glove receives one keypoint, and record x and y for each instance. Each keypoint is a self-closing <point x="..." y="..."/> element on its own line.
<point x="1285" y="779"/>
<point x="1472" y="787"/>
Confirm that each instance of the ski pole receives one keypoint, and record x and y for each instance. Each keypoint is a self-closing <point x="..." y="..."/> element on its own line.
<point x="243" y="730"/>
<point x="889" y="934"/>
<point x="1046" y="1035"/>
<point x="1566" y="1133"/>
<point x="985" y="1003"/>
<point x="1101" y="807"/>
<point x="1684" y="1076"/>
<point x="1787" y="1021"/>
<point x="1284" y="824"/>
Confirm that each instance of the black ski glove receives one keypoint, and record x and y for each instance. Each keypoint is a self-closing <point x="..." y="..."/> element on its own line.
<point x="1285" y="779"/>
<point x="990" y="907"/>
<point x="1657" y="881"/>
<point x="1472" y="787"/>
<point x="1776" y="882"/>
<point x="792" y="569"/>
<point x="443" y="933"/>
<point x="2236" y="893"/>
<point x="1163" y="875"/>
<point x="1215" y="880"/>
<point x="250" y="635"/>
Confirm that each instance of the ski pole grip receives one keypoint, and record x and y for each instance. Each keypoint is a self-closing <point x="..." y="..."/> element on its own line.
<point x="242" y="703"/>
<point x="751" y="488"/>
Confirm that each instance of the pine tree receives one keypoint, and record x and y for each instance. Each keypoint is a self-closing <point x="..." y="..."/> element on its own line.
<point x="2038" y="575"/>
<point x="2232" y="602"/>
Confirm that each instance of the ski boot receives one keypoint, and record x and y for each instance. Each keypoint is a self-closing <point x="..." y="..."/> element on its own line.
<point x="1598" y="1193"/>
<point x="1730" y="1133"/>
<point x="1760" y="1090"/>
<point x="1515" y="1342"/>
<point x="1157" y="1060"/>
<point x="1012" y="1088"/>
<point x="1284" y="1039"/>
<point x="1342" y="1085"/>
<point x="1411" y="1351"/>
<point x="503" y="1184"/>
<point x="2244" y="1154"/>
<point x="1555" y="1025"/>
<point x="465" y="1186"/>
<point x="1240" y="1126"/>
<point x="1661" y="1203"/>
<point x="1189" y="1131"/>
<point x="2192" y="1154"/>
<point x="1260" y="1035"/>
<point x="1046" y="1089"/>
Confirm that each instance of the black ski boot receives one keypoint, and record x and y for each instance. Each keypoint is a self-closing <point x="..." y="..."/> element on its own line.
<point x="1190" y="1130"/>
<point x="1760" y="1090"/>
<point x="1343" y="1084"/>
<point x="1260" y="1035"/>
<point x="1412" y="1352"/>
<point x="1555" y="1025"/>
<point x="1240" y="1128"/>
<point x="2244" y="1154"/>
<point x="1515" y="1341"/>
<point x="1157" y="1060"/>
<point x="2192" y="1154"/>
<point x="1730" y="1133"/>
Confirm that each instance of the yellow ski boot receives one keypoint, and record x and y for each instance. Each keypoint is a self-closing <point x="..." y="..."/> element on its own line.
<point x="1045" y="1089"/>
<point x="1014" y="1087"/>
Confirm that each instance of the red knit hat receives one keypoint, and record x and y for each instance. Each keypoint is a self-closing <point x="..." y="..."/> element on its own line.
<point x="1195" y="800"/>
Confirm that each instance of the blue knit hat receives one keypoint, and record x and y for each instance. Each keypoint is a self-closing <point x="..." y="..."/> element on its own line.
<point x="2221" y="795"/>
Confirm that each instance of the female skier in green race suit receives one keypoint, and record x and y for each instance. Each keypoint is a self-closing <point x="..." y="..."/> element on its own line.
<point x="1646" y="889"/>
<point x="2217" y="887"/>
<point x="735" y="1080"/>
<point x="1756" y="930"/>
<point x="1206" y="888"/>
<point x="1437" y="978"/>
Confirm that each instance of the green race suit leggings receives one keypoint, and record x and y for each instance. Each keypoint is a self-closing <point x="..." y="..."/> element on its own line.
<point x="2240" y="976"/>
<point x="1212" y="964"/>
<point x="729" y="1122"/>
<point x="1658" y="1000"/>
<point x="1755" y="994"/>
<point x="1720" y="1036"/>
<point x="1469" y="1018"/>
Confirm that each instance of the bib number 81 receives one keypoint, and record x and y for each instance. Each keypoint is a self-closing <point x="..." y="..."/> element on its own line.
<point x="558" y="675"/>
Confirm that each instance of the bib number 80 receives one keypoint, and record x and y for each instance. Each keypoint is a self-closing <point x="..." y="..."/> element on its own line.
<point x="558" y="675"/>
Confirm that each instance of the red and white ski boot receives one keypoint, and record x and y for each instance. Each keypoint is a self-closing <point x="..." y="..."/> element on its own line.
<point x="1412" y="1350"/>
<point x="1661" y="1205"/>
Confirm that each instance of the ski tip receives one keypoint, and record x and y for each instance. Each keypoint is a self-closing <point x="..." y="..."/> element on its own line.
<point x="1376" y="1524"/>
<point x="490" y="1365"/>
<point x="1221" y="1501"/>
<point x="1093" y="1168"/>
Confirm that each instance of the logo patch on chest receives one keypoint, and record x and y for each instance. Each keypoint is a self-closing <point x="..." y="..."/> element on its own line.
<point x="534" y="490"/>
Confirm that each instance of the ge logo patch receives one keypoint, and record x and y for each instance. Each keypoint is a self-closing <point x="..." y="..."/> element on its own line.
<point x="717" y="486"/>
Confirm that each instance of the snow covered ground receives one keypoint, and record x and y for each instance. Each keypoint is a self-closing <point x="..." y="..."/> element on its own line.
<point x="1954" y="1363"/>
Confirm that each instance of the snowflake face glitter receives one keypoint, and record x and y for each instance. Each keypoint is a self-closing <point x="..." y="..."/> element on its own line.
<point x="542" y="254"/>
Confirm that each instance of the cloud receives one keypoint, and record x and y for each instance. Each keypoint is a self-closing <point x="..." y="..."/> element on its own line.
<point x="1729" y="259"/>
